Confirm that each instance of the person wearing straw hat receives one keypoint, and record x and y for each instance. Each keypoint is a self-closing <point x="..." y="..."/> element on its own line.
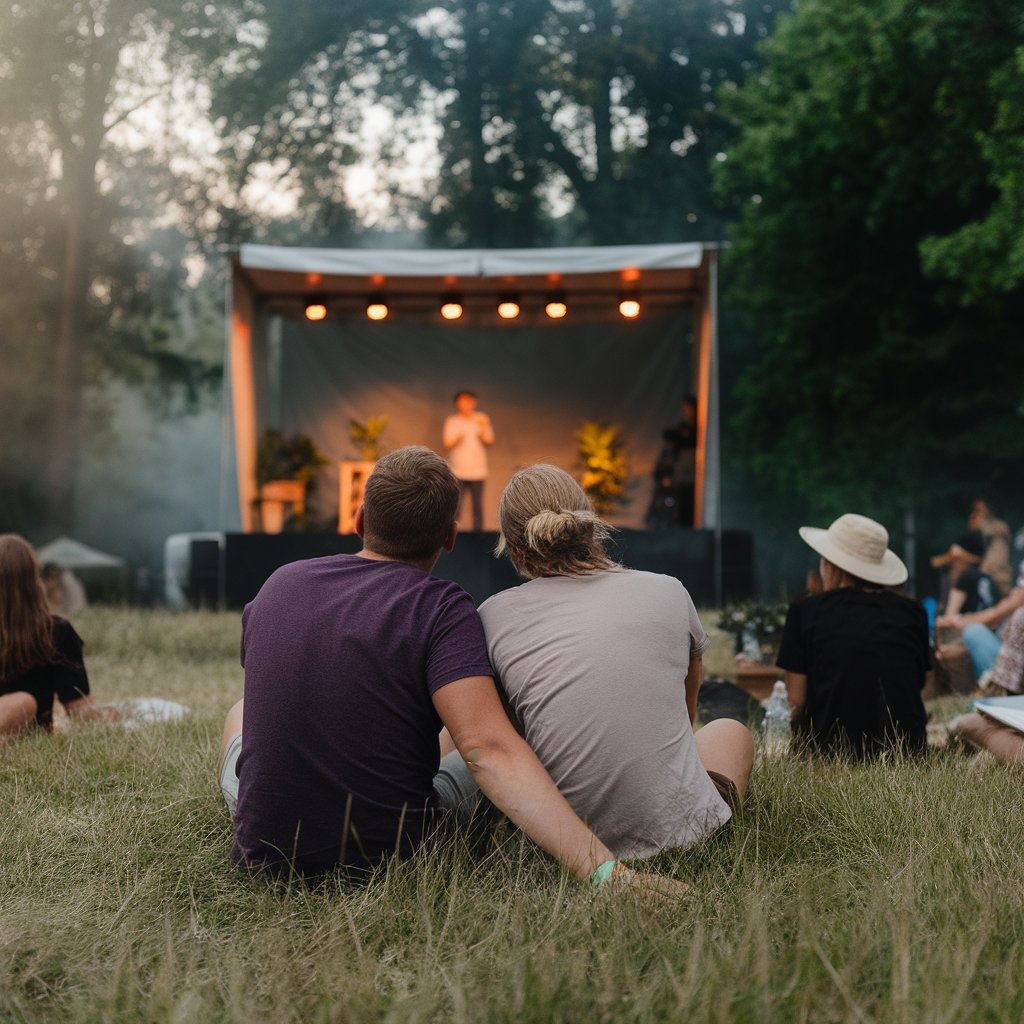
<point x="856" y="655"/>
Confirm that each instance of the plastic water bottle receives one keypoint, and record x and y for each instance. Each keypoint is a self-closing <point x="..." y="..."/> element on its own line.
<point x="776" y="725"/>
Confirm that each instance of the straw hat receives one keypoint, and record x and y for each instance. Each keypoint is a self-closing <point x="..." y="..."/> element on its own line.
<point x="859" y="546"/>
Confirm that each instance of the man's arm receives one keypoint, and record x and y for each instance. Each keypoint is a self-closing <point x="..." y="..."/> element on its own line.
<point x="955" y="602"/>
<point x="486" y="431"/>
<point x="452" y="434"/>
<point x="989" y="616"/>
<point x="694" y="675"/>
<point x="508" y="772"/>
<point x="796" y="692"/>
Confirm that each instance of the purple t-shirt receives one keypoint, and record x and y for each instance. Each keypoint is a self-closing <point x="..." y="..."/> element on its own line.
<point x="339" y="742"/>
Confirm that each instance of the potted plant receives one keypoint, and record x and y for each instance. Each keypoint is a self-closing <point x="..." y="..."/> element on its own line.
<point x="604" y="465"/>
<point x="366" y="436"/>
<point x="285" y="471"/>
<point x="756" y="629"/>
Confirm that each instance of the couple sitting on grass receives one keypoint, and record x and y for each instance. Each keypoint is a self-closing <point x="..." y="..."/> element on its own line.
<point x="375" y="693"/>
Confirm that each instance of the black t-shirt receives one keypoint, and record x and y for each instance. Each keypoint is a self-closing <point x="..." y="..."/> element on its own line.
<point x="64" y="677"/>
<point x="865" y="655"/>
<point x="980" y="588"/>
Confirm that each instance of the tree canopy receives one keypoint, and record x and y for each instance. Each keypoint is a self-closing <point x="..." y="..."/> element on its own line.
<point x="877" y="252"/>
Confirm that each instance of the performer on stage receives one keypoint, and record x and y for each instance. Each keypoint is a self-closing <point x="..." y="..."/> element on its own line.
<point x="675" y="472"/>
<point x="467" y="433"/>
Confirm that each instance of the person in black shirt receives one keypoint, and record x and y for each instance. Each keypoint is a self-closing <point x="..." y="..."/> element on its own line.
<point x="856" y="655"/>
<point x="970" y="589"/>
<point x="40" y="653"/>
<point x="675" y="472"/>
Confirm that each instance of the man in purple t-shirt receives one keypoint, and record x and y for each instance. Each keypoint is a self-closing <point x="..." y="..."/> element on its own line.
<point x="353" y="663"/>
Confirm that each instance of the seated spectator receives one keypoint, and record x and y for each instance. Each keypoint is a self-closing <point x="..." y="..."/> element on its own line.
<point x="982" y="629"/>
<point x="65" y="594"/>
<point x="601" y="667"/>
<point x="1007" y="674"/>
<point x="856" y="655"/>
<point x="996" y="561"/>
<point x="970" y="589"/>
<point x="979" y="732"/>
<point x="353" y="663"/>
<point x="40" y="653"/>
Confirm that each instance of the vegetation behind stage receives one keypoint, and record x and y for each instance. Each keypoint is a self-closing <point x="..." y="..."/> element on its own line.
<point x="882" y="893"/>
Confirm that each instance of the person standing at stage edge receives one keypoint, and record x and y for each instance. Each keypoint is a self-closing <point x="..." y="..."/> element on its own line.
<point x="675" y="472"/>
<point x="467" y="435"/>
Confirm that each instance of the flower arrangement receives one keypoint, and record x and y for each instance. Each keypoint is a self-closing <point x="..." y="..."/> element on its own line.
<point x="604" y="465"/>
<point x="366" y="436"/>
<point x="755" y="628"/>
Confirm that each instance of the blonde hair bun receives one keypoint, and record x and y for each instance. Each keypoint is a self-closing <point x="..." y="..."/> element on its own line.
<point x="549" y="530"/>
<point x="549" y="527"/>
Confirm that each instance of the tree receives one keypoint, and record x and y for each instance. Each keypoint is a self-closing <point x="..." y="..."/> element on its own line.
<point x="599" y="111"/>
<point x="94" y="255"/>
<point x="605" y="107"/>
<point x="862" y="140"/>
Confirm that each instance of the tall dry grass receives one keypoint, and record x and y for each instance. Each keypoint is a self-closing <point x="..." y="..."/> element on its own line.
<point x="843" y="893"/>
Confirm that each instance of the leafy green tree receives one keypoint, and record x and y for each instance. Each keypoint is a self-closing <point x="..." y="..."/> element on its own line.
<point x="986" y="256"/>
<point x="605" y="107"/>
<point x="599" y="111"/>
<point x="868" y="136"/>
<point x="93" y="253"/>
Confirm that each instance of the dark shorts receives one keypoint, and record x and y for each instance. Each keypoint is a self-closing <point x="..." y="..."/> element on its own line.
<point x="726" y="789"/>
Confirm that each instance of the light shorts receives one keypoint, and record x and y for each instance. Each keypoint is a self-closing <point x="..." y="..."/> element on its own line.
<point x="457" y="791"/>
<point x="229" y="772"/>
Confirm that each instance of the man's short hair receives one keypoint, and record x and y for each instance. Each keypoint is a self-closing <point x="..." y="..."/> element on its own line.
<point x="410" y="503"/>
<point x="464" y="391"/>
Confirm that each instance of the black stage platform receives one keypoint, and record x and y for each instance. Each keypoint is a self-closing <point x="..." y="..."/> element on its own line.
<point x="232" y="575"/>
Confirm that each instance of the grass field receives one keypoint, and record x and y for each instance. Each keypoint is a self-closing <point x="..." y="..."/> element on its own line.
<point x="882" y="893"/>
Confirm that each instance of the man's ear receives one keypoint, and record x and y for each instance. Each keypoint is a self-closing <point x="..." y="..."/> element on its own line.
<point x="449" y="541"/>
<point x="360" y="530"/>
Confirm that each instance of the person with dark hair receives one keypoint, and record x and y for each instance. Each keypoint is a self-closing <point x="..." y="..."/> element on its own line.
<point x="970" y="589"/>
<point x="353" y="664"/>
<point x="467" y="436"/>
<point x="675" y="472"/>
<point x="40" y="653"/>
<point x="857" y="654"/>
<point x="601" y="667"/>
<point x="996" y="559"/>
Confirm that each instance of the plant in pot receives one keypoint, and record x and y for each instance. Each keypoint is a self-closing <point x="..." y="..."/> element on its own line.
<point x="366" y="436"/>
<point x="756" y="629"/>
<point x="604" y="465"/>
<point x="286" y="468"/>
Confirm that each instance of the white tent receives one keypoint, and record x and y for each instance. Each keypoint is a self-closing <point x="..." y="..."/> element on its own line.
<point x="73" y="554"/>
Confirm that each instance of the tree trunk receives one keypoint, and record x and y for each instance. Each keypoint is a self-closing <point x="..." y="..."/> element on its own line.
<point x="80" y="163"/>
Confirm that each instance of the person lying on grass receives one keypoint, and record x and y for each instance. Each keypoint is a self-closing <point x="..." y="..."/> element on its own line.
<point x="353" y="663"/>
<point x="601" y="666"/>
<point x="40" y="653"/>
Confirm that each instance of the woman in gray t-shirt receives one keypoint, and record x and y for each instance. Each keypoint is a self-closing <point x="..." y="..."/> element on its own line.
<point x="601" y="666"/>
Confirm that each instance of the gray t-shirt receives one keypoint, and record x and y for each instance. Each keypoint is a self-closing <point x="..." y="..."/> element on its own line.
<point x="593" y="667"/>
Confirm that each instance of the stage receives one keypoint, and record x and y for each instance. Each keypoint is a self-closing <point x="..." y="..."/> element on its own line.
<point x="228" y="571"/>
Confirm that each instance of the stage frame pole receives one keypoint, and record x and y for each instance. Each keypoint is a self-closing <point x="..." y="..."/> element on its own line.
<point x="243" y="396"/>
<point x="709" y="468"/>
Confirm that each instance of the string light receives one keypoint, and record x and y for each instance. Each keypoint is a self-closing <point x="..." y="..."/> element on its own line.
<point x="316" y="309"/>
<point x="556" y="307"/>
<point x="508" y="307"/>
<point x="377" y="308"/>
<point x="629" y="307"/>
<point x="451" y="307"/>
